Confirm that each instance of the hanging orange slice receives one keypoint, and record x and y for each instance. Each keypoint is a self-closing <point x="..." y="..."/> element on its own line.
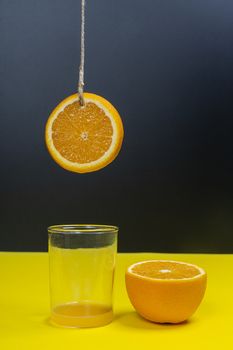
<point x="84" y="138"/>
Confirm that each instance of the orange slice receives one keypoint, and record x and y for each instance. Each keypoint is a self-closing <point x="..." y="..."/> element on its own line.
<point x="165" y="291"/>
<point x="84" y="139"/>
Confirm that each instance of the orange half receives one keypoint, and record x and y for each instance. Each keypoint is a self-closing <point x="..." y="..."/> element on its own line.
<point x="84" y="138"/>
<point x="165" y="291"/>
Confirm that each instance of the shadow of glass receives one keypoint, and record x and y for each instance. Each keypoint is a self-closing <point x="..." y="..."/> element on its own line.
<point x="133" y="320"/>
<point x="47" y="321"/>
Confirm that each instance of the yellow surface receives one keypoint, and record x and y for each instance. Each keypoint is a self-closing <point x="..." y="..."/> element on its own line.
<point x="24" y="310"/>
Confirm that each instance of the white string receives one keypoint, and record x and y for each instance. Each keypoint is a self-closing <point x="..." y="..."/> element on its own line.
<point x="82" y="55"/>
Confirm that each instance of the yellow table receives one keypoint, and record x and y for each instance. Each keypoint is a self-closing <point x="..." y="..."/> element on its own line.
<point x="24" y="310"/>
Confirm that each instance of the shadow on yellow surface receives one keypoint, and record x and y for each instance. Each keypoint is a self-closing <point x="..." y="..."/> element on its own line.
<point x="133" y="320"/>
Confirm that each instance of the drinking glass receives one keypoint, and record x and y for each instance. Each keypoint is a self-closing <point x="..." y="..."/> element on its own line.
<point x="82" y="262"/>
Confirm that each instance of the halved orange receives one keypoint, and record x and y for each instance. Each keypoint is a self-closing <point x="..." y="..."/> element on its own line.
<point x="84" y="138"/>
<point x="165" y="291"/>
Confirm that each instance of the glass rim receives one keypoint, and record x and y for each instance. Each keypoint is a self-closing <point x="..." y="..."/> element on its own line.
<point x="82" y="228"/>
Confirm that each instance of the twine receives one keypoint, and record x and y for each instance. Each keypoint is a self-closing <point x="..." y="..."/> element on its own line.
<point x="82" y="55"/>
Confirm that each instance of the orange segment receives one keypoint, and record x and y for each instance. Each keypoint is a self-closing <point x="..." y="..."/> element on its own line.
<point x="84" y="139"/>
<point x="165" y="291"/>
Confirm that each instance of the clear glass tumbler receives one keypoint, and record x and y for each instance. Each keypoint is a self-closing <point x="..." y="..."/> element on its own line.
<point x="82" y="262"/>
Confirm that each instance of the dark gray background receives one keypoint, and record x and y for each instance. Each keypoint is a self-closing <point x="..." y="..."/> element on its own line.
<point x="167" y="66"/>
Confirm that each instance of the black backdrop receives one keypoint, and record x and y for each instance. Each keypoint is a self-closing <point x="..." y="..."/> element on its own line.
<point x="167" y="66"/>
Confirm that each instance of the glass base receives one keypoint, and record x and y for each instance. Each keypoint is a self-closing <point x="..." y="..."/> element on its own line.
<point x="81" y="315"/>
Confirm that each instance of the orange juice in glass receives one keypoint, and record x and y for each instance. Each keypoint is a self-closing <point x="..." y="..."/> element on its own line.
<point x="82" y="263"/>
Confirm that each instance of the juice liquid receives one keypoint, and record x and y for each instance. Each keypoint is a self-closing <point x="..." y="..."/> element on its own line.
<point x="83" y="314"/>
